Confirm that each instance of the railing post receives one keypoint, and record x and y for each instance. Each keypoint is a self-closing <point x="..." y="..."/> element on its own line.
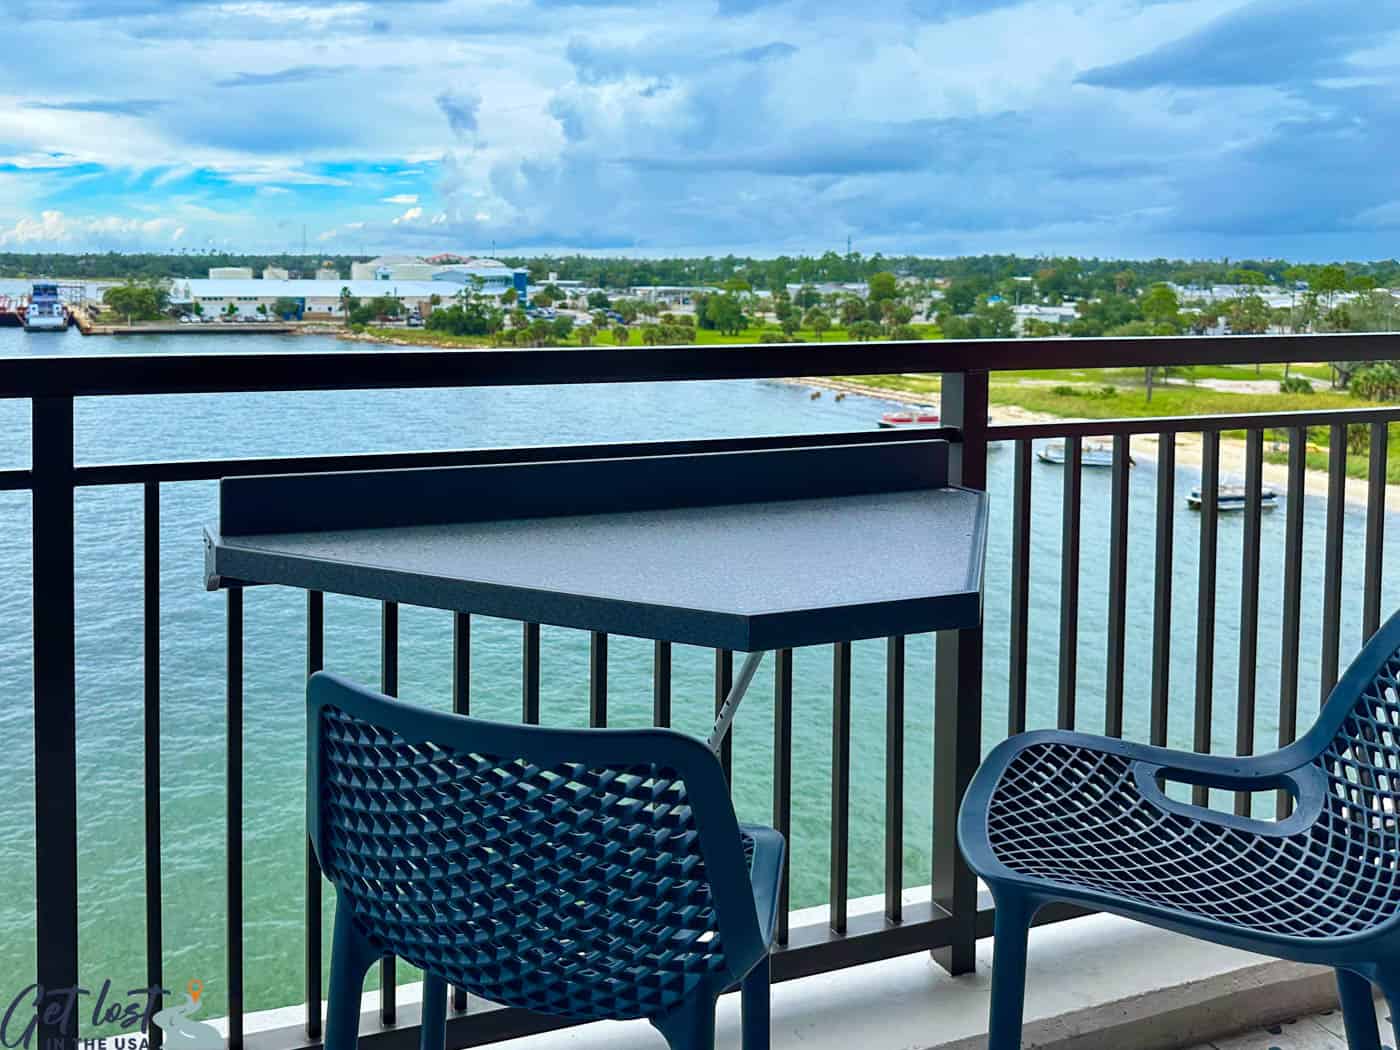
<point x="55" y="723"/>
<point x="957" y="738"/>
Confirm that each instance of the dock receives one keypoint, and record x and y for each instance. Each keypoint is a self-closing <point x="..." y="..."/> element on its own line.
<point x="89" y="326"/>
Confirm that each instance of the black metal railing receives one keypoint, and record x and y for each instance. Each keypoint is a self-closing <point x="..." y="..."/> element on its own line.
<point x="953" y="917"/>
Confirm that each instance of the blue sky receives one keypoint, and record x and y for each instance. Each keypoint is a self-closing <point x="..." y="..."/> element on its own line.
<point x="1137" y="128"/>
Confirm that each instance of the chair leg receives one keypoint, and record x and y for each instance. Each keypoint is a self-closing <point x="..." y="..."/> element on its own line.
<point x="1358" y="1011"/>
<point x="1012" y="929"/>
<point x="351" y="959"/>
<point x="690" y="1026"/>
<point x="434" y="1024"/>
<point x="1390" y="987"/>
<point x="756" y="1007"/>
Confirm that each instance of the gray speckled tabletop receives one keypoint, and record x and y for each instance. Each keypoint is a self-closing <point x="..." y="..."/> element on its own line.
<point x="747" y="576"/>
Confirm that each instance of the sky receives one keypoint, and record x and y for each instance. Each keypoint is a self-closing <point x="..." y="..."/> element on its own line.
<point x="1125" y="128"/>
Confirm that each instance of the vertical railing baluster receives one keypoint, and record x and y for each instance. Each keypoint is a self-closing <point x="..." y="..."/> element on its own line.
<point x="1332" y="556"/>
<point x="461" y="663"/>
<point x="462" y="705"/>
<point x="1205" y="602"/>
<point x="389" y="686"/>
<point x="840" y="782"/>
<point x="957" y="738"/>
<point x="233" y="816"/>
<point x="782" y="775"/>
<point x="724" y="681"/>
<point x="1249" y="606"/>
<point x="55" y="708"/>
<point x="1292" y="599"/>
<point x="597" y="679"/>
<point x="1020" y="588"/>
<point x="151" y="738"/>
<point x="1069" y="581"/>
<point x="1162" y="588"/>
<point x="1375" y="531"/>
<point x="530" y="674"/>
<point x="661" y="685"/>
<point x="894" y="778"/>
<point x="1117" y="587"/>
<point x="315" y="661"/>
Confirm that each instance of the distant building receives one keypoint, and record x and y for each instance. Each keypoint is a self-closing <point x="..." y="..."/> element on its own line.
<point x="391" y="268"/>
<point x="495" y="277"/>
<point x="314" y="299"/>
<point x="274" y="273"/>
<point x="231" y="273"/>
<point x="1056" y="315"/>
<point x="327" y="275"/>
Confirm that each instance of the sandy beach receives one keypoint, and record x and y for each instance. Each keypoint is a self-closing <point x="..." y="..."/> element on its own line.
<point x="1144" y="446"/>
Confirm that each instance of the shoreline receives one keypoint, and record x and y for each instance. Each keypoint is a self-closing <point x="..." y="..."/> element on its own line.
<point x="1188" y="445"/>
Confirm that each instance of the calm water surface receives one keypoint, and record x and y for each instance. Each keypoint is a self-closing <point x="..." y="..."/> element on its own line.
<point x="109" y="615"/>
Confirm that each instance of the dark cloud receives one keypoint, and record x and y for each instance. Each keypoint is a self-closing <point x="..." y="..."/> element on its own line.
<point x="1261" y="43"/>
<point x="126" y="107"/>
<point x="461" y="109"/>
<point x="294" y="75"/>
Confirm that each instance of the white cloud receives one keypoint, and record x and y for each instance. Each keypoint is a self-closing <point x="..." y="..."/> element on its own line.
<point x="412" y="215"/>
<point x="54" y="228"/>
<point x="401" y="198"/>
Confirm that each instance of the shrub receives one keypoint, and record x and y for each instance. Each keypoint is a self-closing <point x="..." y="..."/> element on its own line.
<point x="1294" y="385"/>
<point x="1065" y="390"/>
<point x="1376" y="382"/>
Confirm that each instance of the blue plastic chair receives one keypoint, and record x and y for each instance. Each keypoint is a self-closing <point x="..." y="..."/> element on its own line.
<point x="1058" y="816"/>
<point x="581" y="873"/>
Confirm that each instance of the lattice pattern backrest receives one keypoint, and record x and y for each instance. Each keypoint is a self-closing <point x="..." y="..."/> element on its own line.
<point x="570" y="890"/>
<point x="1362" y="764"/>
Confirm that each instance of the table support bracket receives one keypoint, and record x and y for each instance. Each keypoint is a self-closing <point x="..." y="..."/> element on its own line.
<point x="730" y="707"/>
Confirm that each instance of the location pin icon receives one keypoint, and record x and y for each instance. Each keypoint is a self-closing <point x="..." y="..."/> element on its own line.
<point x="195" y="987"/>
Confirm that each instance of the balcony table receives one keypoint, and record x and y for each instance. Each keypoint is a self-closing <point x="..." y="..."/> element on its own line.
<point x="743" y="550"/>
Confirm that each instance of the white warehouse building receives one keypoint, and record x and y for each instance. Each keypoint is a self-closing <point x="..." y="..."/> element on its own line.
<point x="314" y="299"/>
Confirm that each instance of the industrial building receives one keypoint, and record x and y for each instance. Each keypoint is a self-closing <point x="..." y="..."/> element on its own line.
<point x="322" y="299"/>
<point x="495" y="276"/>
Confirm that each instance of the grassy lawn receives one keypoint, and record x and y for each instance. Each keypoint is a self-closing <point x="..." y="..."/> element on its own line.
<point x="1089" y="403"/>
<point x="1075" y="393"/>
<point x="704" y="337"/>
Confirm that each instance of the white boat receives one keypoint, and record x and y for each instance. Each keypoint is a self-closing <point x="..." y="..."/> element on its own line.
<point x="1091" y="453"/>
<point x="917" y="417"/>
<point x="1234" y="498"/>
<point x="46" y="312"/>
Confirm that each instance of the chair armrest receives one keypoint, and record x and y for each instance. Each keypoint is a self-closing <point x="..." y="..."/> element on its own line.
<point x="1307" y="784"/>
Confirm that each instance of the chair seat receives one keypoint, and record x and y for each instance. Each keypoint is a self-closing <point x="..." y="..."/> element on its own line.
<point x="1067" y="819"/>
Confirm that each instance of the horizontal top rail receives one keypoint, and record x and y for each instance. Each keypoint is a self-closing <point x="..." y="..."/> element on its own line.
<point x="356" y="369"/>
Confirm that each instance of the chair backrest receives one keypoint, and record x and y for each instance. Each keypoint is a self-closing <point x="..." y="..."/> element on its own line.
<point x="1356" y="837"/>
<point x="588" y="873"/>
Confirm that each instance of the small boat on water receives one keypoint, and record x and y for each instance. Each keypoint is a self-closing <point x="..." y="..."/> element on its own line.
<point x="1233" y="498"/>
<point x="46" y="311"/>
<point x="1091" y="454"/>
<point x="918" y="417"/>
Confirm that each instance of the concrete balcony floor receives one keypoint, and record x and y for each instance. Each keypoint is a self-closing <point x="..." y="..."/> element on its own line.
<point x="1094" y="983"/>
<point x="1323" y="1031"/>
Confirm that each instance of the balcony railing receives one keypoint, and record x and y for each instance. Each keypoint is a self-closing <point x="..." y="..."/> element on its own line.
<point x="953" y="917"/>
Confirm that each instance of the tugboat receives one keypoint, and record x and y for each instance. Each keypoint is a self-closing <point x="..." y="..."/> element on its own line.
<point x="918" y="417"/>
<point x="1234" y="498"/>
<point x="46" y="312"/>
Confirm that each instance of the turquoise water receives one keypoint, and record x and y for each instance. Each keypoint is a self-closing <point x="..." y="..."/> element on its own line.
<point x="192" y="743"/>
